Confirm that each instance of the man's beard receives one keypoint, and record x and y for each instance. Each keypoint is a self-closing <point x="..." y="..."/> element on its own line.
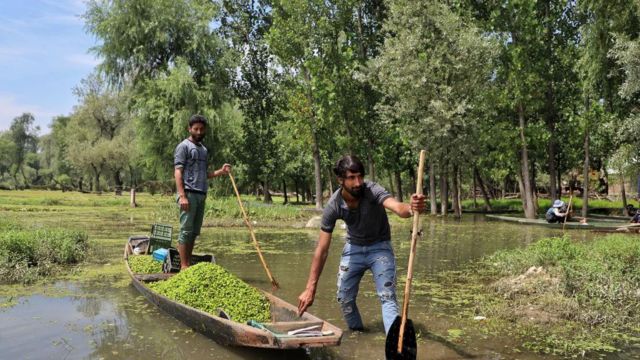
<point x="355" y="192"/>
<point x="197" y="138"/>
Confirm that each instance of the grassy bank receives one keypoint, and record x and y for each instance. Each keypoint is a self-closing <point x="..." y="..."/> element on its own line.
<point x="558" y="296"/>
<point x="28" y="255"/>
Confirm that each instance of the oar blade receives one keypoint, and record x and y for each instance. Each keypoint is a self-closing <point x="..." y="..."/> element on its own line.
<point x="409" y="343"/>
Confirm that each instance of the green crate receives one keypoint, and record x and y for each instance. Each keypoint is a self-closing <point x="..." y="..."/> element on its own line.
<point x="160" y="236"/>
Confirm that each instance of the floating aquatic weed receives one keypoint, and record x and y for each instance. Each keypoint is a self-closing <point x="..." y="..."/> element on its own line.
<point x="144" y="264"/>
<point x="209" y="287"/>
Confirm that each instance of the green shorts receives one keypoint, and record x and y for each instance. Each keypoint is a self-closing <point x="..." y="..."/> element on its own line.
<point x="191" y="221"/>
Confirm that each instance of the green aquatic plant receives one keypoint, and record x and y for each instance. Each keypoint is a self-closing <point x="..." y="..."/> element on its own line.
<point x="144" y="264"/>
<point x="211" y="288"/>
<point x="26" y="255"/>
<point x="560" y="296"/>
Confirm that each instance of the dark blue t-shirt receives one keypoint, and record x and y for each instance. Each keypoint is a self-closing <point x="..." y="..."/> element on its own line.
<point x="366" y="224"/>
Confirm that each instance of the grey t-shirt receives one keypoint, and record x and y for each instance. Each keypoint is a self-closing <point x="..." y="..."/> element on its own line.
<point x="368" y="223"/>
<point x="193" y="159"/>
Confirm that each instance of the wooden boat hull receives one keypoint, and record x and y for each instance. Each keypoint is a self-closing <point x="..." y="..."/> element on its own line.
<point x="227" y="332"/>
<point x="592" y="225"/>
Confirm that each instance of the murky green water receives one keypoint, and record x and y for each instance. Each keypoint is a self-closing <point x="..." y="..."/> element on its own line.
<point x="102" y="320"/>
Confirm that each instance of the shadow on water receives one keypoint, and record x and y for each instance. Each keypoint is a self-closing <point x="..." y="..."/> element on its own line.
<point x="105" y="321"/>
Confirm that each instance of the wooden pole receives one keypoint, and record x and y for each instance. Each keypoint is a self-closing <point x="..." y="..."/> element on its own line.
<point x="253" y="235"/>
<point x="414" y="241"/>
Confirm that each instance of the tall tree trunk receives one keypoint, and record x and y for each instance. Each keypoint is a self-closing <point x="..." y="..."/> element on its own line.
<point x="284" y="192"/>
<point x="295" y="184"/>
<point x="24" y="177"/>
<point x="398" y="184"/>
<point x="504" y="188"/>
<point x="444" y="194"/>
<point x="623" y="193"/>
<point x="529" y="207"/>
<point x="372" y="167"/>
<point x="534" y="186"/>
<point x="266" y="192"/>
<point x="96" y="173"/>
<point x="392" y="188"/>
<point x="585" y="195"/>
<point x="457" y="210"/>
<point x="559" y="185"/>
<point x="485" y="195"/>
<point x="132" y="199"/>
<point x="329" y="181"/>
<point x="315" y="145"/>
<point x="118" y="182"/>
<point x="473" y="193"/>
<point x="432" y="188"/>
<point x="317" y="171"/>
<point x="553" y="187"/>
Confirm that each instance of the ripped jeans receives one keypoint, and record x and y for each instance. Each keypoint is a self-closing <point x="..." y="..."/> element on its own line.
<point x="356" y="259"/>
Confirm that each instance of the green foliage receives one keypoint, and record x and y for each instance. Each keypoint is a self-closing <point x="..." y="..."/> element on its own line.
<point x="144" y="264"/>
<point x="26" y="255"/>
<point x="209" y="287"/>
<point x="589" y="290"/>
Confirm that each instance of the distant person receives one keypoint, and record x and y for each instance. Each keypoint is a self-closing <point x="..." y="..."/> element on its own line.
<point x="190" y="163"/>
<point x="635" y="219"/>
<point x="362" y="205"/>
<point x="557" y="213"/>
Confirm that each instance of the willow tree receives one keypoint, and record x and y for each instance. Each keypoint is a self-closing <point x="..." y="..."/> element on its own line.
<point x="175" y="61"/>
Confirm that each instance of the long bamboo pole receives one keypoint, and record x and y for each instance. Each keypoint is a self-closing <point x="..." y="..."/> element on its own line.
<point x="253" y="235"/>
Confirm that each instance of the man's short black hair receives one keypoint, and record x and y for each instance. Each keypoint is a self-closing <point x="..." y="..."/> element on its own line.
<point x="348" y="163"/>
<point x="197" y="119"/>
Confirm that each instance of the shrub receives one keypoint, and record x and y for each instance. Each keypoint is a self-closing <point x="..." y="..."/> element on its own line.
<point x="26" y="255"/>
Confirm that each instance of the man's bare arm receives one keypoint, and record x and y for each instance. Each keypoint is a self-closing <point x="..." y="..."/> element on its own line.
<point x="182" y="201"/>
<point x="405" y="210"/>
<point x="319" y="259"/>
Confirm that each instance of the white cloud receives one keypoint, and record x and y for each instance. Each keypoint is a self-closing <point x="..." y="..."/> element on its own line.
<point x="10" y="109"/>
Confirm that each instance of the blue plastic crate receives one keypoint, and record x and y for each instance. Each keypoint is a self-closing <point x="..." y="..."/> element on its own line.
<point x="160" y="254"/>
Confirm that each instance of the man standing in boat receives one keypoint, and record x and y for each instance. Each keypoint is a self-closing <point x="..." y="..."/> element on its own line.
<point x="190" y="163"/>
<point x="362" y="205"/>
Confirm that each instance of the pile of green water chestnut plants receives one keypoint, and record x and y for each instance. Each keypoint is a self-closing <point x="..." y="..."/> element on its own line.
<point x="144" y="264"/>
<point x="563" y="297"/>
<point x="28" y="255"/>
<point x="210" y="288"/>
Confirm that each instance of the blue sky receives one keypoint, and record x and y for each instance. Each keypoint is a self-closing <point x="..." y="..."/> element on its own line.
<point x="44" y="53"/>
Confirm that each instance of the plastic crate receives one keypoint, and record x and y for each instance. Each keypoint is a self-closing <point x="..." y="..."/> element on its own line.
<point x="160" y="236"/>
<point x="160" y="254"/>
<point x="172" y="261"/>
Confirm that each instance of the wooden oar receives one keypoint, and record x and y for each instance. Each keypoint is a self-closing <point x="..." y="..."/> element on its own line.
<point x="274" y="283"/>
<point x="401" y="339"/>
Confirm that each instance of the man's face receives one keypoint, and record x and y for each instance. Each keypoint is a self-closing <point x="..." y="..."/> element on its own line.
<point x="197" y="131"/>
<point x="353" y="183"/>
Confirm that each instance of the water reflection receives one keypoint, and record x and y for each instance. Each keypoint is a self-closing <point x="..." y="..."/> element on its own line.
<point x="103" y="321"/>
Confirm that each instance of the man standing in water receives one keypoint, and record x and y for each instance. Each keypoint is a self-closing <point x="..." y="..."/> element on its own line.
<point x="190" y="163"/>
<point x="361" y="204"/>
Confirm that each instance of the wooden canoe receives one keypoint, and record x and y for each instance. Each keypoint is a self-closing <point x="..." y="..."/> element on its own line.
<point x="273" y="335"/>
<point x="591" y="225"/>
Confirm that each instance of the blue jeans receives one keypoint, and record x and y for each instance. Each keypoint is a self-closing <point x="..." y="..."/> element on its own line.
<point x="356" y="259"/>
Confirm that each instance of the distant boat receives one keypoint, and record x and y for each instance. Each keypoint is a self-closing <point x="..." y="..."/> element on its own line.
<point x="595" y="224"/>
<point x="308" y="331"/>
